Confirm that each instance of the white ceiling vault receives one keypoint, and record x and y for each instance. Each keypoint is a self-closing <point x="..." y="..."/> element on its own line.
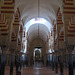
<point x="33" y="32"/>
<point x="47" y="10"/>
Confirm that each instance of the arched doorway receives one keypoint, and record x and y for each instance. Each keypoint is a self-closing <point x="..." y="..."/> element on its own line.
<point x="37" y="54"/>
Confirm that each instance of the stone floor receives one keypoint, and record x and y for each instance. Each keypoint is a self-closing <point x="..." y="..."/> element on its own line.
<point x="37" y="69"/>
<point x="33" y="71"/>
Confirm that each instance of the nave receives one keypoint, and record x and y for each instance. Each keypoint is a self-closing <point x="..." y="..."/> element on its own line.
<point x="37" y="30"/>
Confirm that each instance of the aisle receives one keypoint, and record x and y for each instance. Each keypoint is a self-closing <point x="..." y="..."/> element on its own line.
<point x="38" y="71"/>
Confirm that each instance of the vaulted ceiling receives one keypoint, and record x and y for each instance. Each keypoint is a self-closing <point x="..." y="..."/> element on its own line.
<point x="29" y="9"/>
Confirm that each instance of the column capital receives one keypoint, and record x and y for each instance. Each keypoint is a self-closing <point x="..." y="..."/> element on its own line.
<point x="56" y="52"/>
<point x="61" y="50"/>
<point x="53" y="53"/>
<point x="3" y="47"/>
<point x="17" y="52"/>
<point x="70" y="48"/>
<point x="12" y="51"/>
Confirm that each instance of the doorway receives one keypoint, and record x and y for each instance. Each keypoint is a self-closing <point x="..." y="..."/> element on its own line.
<point x="37" y="57"/>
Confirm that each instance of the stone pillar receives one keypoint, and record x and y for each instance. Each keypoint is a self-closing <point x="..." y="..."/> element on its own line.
<point x="28" y="60"/>
<point x="44" y="60"/>
<point x="53" y="61"/>
<point x="14" y="59"/>
<point x="49" y="59"/>
<point x="20" y="56"/>
<point x="11" y="65"/>
<point x="66" y="60"/>
<point x="17" y="62"/>
<point x="70" y="58"/>
<point x="3" y="60"/>
<point x="7" y="59"/>
<point x="61" y="63"/>
<point x="56" y="62"/>
<point x="0" y="59"/>
<point x="70" y="63"/>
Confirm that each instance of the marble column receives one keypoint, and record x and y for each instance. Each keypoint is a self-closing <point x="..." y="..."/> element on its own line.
<point x="48" y="60"/>
<point x="28" y="60"/>
<point x="11" y="65"/>
<point x="3" y="60"/>
<point x="17" y="62"/>
<point x="0" y="63"/>
<point x="20" y="56"/>
<point x="61" y="63"/>
<point x="56" y="63"/>
<point x="70" y="58"/>
<point x="53" y="61"/>
<point x="44" y="60"/>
